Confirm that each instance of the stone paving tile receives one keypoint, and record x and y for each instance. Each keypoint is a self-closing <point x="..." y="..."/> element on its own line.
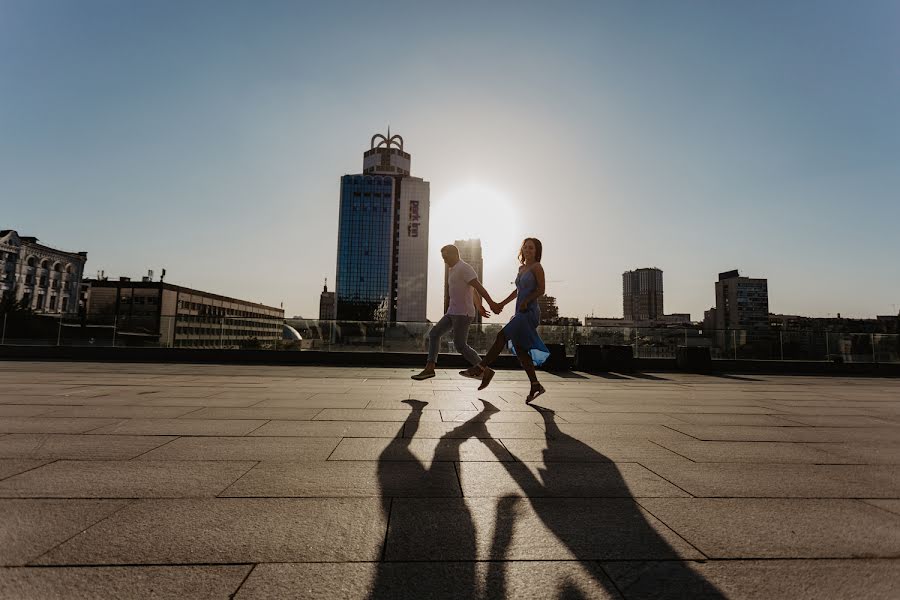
<point x="122" y="412"/>
<point x="23" y="410"/>
<point x="442" y="529"/>
<point x="28" y="528"/>
<point x="53" y="446"/>
<point x="198" y="402"/>
<point x="392" y="415"/>
<point x="181" y="427"/>
<point x="740" y="433"/>
<point x="284" y="414"/>
<point x="479" y="429"/>
<point x="244" y="448"/>
<point x="679" y="408"/>
<point x="596" y="450"/>
<point x="314" y="403"/>
<point x="246" y="530"/>
<point x="299" y="394"/>
<point x="14" y="466"/>
<point x="422" y="450"/>
<point x="46" y="425"/>
<point x="731" y="419"/>
<point x="616" y="418"/>
<point x="344" y="479"/>
<point x="889" y="505"/>
<point x="52" y="401"/>
<point x="862" y="453"/>
<point x="781" y="480"/>
<point x="433" y="404"/>
<point x="758" y="579"/>
<point x="159" y="583"/>
<point x="842" y="421"/>
<point x="599" y="431"/>
<point x="750" y="452"/>
<point x="329" y="429"/>
<point x="503" y="416"/>
<point x="563" y="480"/>
<point x="124" y="479"/>
<point x="418" y="580"/>
<point x="778" y="528"/>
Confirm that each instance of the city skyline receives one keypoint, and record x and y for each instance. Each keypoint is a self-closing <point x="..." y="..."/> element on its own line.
<point x="615" y="135"/>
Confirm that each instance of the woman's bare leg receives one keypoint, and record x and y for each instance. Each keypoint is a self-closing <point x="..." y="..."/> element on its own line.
<point x="495" y="350"/>
<point x="536" y="388"/>
<point x="487" y="373"/>
<point x="527" y="364"/>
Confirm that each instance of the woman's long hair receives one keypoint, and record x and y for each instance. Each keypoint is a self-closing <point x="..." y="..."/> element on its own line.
<point x="538" y="249"/>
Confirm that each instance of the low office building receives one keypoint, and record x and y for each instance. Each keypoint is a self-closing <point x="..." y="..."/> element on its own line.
<point x="46" y="279"/>
<point x="157" y="313"/>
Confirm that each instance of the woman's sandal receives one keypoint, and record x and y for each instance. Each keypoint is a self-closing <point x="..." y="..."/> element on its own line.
<point x="536" y="390"/>
<point x="486" y="377"/>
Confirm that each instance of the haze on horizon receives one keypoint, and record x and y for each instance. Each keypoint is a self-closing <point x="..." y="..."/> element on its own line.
<point x="209" y="138"/>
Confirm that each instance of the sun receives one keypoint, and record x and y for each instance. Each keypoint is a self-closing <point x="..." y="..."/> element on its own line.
<point x="474" y="210"/>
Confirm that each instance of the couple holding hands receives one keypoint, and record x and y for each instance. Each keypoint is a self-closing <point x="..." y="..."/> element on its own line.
<point x="520" y="334"/>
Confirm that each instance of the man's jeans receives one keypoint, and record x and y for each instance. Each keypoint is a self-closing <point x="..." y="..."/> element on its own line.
<point x="460" y="326"/>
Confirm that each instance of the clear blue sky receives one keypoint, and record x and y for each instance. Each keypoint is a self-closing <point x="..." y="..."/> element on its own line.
<point x="209" y="138"/>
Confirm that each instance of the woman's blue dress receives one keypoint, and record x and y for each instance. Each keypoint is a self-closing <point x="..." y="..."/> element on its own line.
<point x="521" y="330"/>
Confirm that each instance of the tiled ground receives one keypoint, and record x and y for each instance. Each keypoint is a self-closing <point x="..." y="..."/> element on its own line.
<point x="188" y="481"/>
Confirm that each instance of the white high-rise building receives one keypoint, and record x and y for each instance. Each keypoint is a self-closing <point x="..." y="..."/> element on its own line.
<point x="412" y="250"/>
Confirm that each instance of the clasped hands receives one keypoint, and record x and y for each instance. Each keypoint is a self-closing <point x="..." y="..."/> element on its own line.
<point x="497" y="307"/>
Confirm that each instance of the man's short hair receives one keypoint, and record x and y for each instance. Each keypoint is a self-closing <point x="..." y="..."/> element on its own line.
<point x="451" y="250"/>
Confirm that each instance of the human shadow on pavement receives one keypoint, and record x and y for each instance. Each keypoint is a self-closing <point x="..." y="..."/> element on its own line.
<point x="610" y="527"/>
<point x="442" y="577"/>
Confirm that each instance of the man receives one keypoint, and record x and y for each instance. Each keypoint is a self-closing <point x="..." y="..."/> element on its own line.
<point x="462" y="282"/>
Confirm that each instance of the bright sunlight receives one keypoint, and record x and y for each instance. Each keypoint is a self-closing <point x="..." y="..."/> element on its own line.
<point x="476" y="211"/>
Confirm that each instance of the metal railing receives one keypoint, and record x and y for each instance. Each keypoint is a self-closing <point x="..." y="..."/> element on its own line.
<point x="234" y="332"/>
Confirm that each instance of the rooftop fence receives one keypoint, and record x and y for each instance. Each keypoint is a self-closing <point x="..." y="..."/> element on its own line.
<point x="197" y="331"/>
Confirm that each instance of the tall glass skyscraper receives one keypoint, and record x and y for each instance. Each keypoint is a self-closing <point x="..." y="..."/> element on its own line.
<point x="382" y="259"/>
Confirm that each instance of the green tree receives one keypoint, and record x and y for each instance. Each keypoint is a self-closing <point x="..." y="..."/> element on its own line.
<point x="10" y="306"/>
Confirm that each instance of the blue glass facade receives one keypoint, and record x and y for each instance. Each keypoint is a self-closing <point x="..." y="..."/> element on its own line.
<point x="365" y="233"/>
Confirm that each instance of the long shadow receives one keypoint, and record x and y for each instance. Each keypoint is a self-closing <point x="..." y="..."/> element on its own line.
<point x="456" y="579"/>
<point x="649" y="376"/>
<point x="734" y="377"/>
<point x="612" y="527"/>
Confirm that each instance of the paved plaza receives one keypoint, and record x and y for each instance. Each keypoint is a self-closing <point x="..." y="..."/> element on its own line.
<point x="197" y="481"/>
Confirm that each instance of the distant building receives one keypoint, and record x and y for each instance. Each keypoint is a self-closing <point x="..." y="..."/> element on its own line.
<point x="642" y="294"/>
<point x="741" y="302"/>
<point x="838" y="324"/>
<point x="469" y="252"/>
<point x="676" y="319"/>
<point x="549" y="310"/>
<point x="157" y="313"/>
<point x="326" y="304"/>
<point x="607" y="322"/>
<point x="382" y="257"/>
<point x="47" y="279"/>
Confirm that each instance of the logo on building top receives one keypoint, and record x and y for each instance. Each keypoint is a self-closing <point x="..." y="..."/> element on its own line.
<point x="387" y="141"/>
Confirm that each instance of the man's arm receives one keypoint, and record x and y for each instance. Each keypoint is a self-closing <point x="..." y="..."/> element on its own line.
<point x="479" y="289"/>
<point x="478" y="293"/>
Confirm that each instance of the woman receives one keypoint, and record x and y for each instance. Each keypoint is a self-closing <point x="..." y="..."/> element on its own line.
<point x="520" y="334"/>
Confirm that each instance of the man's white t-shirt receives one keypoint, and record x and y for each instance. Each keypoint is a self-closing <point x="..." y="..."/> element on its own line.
<point x="458" y="279"/>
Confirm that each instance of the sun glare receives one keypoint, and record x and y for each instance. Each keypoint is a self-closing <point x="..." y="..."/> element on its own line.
<point x="477" y="211"/>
